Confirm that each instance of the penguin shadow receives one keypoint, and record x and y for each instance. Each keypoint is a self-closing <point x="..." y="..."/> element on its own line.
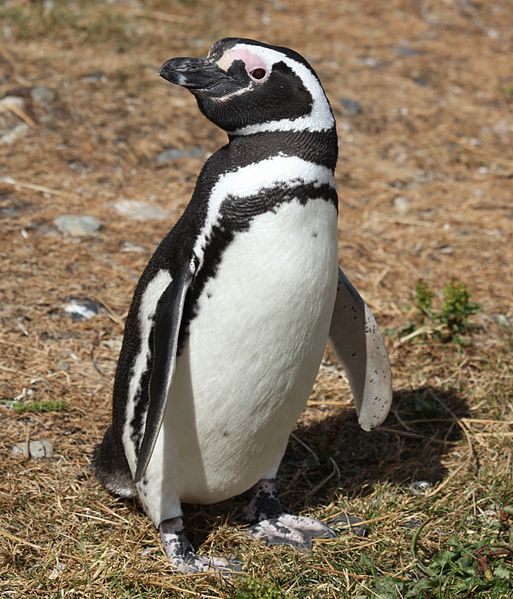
<point x="333" y="455"/>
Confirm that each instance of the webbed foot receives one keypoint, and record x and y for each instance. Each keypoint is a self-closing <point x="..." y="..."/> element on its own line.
<point x="298" y="531"/>
<point x="274" y="526"/>
<point x="180" y="552"/>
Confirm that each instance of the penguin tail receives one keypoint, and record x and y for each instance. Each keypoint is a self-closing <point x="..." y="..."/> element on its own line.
<point x="111" y="467"/>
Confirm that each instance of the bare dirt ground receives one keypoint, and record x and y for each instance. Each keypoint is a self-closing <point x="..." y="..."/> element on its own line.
<point x="423" y="95"/>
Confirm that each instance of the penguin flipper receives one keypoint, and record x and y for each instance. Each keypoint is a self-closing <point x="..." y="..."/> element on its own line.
<point x="358" y="344"/>
<point x="168" y="317"/>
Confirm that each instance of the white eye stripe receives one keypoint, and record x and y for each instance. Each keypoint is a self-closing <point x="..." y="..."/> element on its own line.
<point x="320" y="117"/>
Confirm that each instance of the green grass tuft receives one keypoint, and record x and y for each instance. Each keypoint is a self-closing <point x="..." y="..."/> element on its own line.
<point x="451" y="319"/>
<point x="38" y="407"/>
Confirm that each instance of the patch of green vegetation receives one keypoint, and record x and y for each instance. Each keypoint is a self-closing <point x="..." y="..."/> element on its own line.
<point x="462" y="568"/>
<point x="38" y="407"/>
<point x="447" y="319"/>
<point x="258" y="589"/>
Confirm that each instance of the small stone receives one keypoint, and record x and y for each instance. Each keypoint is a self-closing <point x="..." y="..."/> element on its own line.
<point x="371" y="62"/>
<point x="80" y="167"/>
<point x="351" y="107"/>
<point x="406" y="51"/>
<point x="81" y="309"/>
<point x="14" y="208"/>
<point x="94" y="77"/>
<point x="446" y="249"/>
<point x="33" y="449"/>
<point x="77" y="226"/>
<point x="420" y="487"/>
<point x="412" y="523"/>
<point x="42" y="94"/>
<point x="129" y="247"/>
<point x="401" y="204"/>
<point x="15" y="133"/>
<point x="171" y="154"/>
<point x="140" y="210"/>
<point x="348" y="523"/>
<point x="502" y="320"/>
<point x="57" y="570"/>
<point x="11" y="126"/>
<point x="422" y="81"/>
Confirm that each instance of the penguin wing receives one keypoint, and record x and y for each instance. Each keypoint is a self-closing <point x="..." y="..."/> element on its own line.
<point x="168" y="317"/>
<point x="359" y="345"/>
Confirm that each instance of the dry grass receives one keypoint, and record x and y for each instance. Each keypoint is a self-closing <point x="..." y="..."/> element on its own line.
<point x="435" y="83"/>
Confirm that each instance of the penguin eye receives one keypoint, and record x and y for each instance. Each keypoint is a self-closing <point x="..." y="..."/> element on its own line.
<point x="258" y="74"/>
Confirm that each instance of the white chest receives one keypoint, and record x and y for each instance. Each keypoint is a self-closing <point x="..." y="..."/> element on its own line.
<point x="252" y="355"/>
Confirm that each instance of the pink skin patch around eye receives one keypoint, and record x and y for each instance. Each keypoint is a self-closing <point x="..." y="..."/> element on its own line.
<point x="251" y="61"/>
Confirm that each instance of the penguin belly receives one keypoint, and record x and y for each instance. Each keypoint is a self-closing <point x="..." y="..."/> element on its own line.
<point x="252" y="354"/>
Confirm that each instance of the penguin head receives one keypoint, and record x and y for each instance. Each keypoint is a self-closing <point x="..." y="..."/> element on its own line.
<point x="246" y="87"/>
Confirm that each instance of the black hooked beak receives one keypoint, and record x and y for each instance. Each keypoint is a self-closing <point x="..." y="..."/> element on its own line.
<point x="194" y="73"/>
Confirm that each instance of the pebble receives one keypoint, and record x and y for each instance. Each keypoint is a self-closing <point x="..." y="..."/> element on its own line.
<point x="502" y="320"/>
<point x="171" y="154"/>
<point x="18" y="131"/>
<point x="401" y="204"/>
<point x="420" y="487"/>
<point x="94" y="77"/>
<point x="134" y="248"/>
<point x="77" y="226"/>
<point x="42" y="94"/>
<point x="14" y="208"/>
<point x="33" y="449"/>
<point x="137" y="210"/>
<point x="348" y="523"/>
<point x="351" y="107"/>
<point x="406" y="51"/>
<point x="81" y="309"/>
<point x="422" y="81"/>
<point x="11" y="128"/>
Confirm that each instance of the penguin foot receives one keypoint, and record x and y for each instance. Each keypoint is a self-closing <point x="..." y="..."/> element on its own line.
<point x="286" y="529"/>
<point x="180" y="552"/>
<point x="274" y="526"/>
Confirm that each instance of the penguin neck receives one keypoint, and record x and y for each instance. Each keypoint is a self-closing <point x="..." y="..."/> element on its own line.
<point x="320" y="147"/>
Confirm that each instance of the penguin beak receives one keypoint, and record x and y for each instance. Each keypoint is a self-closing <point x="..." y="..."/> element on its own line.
<point x="194" y="73"/>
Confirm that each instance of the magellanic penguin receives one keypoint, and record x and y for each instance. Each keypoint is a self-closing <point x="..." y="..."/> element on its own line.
<point x="230" y="318"/>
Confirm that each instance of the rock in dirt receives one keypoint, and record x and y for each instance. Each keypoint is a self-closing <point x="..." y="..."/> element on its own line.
<point x="12" y="125"/>
<point x="42" y="94"/>
<point x="94" y="77"/>
<point x="401" y="204"/>
<point x="348" y="523"/>
<point x="502" y="320"/>
<point x="420" y="487"/>
<point x="171" y="154"/>
<point x="351" y="107"/>
<point x="134" y="248"/>
<point x="81" y="309"/>
<point x="137" y="210"/>
<point x="406" y="51"/>
<point x="33" y="449"/>
<point x="77" y="226"/>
